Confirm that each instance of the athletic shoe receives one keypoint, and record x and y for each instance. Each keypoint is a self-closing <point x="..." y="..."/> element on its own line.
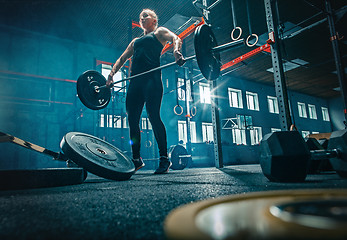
<point x="138" y="163"/>
<point x="164" y="165"/>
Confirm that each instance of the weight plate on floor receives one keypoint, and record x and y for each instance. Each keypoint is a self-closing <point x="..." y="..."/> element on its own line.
<point x="39" y="178"/>
<point x="249" y="216"/>
<point x="179" y="157"/>
<point x="317" y="213"/>
<point x="91" y="97"/>
<point x="97" y="156"/>
<point x="208" y="61"/>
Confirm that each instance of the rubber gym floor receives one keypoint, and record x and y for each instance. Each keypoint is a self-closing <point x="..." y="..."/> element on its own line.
<point x="132" y="209"/>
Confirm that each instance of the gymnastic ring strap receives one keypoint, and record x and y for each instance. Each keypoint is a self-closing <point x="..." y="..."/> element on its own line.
<point x="233" y="31"/>
<point x="176" y="111"/>
<point x="193" y="111"/>
<point x="249" y="37"/>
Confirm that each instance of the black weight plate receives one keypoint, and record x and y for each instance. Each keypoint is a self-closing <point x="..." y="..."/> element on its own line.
<point x="178" y="163"/>
<point x="97" y="156"/>
<point x="209" y="62"/>
<point x="338" y="140"/>
<point x="39" y="178"/>
<point x="86" y="84"/>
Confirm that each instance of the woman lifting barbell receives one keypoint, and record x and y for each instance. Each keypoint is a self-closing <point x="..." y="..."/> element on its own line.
<point x="148" y="88"/>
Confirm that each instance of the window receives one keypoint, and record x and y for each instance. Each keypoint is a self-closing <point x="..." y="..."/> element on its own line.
<point x="205" y="94"/>
<point x="181" y="93"/>
<point x="273" y="104"/>
<point x="102" y="120"/>
<point x="256" y="135"/>
<point x="252" y="101"/>
<point x="239" y="136"/>
<point x="146" y="124"/>
<point x="312" y="111"/>
<point x="182" y="131"/>
<point x="207" y="132"/>
<point x="193" y="132"/>
<point x="125" y="122"/>
<point x="117" y="122"/>
<point x="305" y="133"/>
<point x="244" y="121"/>
<point x="302" y="110"/>
<point x="275" y="130"/>
<point x="235" y="98"/>
<point x="325" y="114"/>
<point x="112" y="121"/>
<point x="105" y="71"/>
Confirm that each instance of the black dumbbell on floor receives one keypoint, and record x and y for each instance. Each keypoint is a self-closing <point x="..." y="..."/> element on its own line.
<point x="285" y="157"/>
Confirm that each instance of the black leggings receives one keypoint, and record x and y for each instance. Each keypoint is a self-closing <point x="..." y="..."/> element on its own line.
<point x="149" y="90"/>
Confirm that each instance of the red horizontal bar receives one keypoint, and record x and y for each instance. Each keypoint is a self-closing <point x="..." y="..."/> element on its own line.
<point x="184" y="34"/>
<point x="135" y="24"/>
<point x="36" y="100"/>
<point x="37" y="76"/>
<point x="98" y="62"/>
<point x="265" y="48"/>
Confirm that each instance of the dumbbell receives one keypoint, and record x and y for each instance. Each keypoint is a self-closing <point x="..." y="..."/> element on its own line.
<point x="285" y="157"/>
<point x="324" y="165"/>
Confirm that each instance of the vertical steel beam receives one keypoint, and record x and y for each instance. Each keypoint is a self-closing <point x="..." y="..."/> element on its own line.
<point x="187" y="77"/>
<point x="217" y="142"/>
<point x="334" y="38"/>
<point x="280" y="84"/>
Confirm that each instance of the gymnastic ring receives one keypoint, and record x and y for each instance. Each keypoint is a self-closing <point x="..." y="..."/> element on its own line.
<point x="176" y="111"/>
<point x="148" y="144"/>
<point x="193" y="111"/>
<point x="232" y="33"/>
<point x="293" y="128"/>
<point x="256" y="41"/>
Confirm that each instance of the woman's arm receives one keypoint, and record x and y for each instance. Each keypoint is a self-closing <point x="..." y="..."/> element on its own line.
<point x="165" y="35"/>
<point x="120" y="62"/>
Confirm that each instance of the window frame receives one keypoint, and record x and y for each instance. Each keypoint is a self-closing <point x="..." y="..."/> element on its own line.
<point x="238" y="93"/>
<point x="255" y="101"/>
<point x="302" y="110"/>
<point x="256" y="135"/>
<point x="207" y="132"/>
<point x="274" y="104"/>
<point x="325" y="114"/>
<point x="312" y="113"/>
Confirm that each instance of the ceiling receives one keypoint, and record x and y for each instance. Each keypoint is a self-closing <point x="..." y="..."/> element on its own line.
<point x="106" y="22"/>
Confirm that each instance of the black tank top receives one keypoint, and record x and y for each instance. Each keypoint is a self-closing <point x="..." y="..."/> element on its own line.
<point x="147" y="51"/>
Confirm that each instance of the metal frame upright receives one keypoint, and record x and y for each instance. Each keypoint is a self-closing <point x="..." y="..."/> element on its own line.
<point x="272" y="20"/>
<point x="217" y="142"/>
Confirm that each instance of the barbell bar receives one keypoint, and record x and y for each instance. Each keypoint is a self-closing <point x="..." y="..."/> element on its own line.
<point x="217" y="49"/>
<point x="96" y="155"/>
<point x="94" y="94"/>
<point x="144" y="73"/>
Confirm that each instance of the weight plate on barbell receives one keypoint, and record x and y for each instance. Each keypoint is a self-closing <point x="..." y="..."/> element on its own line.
<point x="87" y="93"/>
<point x="208" y="61"/>
<point x="97" y="156"/>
